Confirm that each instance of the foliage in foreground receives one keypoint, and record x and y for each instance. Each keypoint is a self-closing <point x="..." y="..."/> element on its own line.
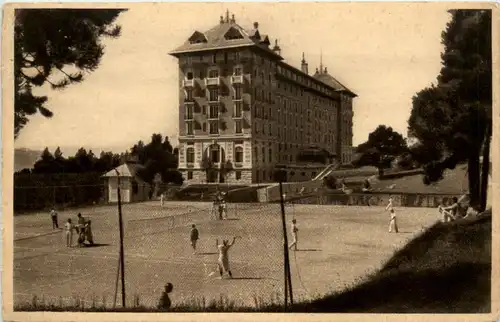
<point x="446" y="269"/>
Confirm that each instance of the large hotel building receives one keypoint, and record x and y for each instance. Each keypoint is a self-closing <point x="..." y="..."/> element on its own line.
<point x="240" y="101"/>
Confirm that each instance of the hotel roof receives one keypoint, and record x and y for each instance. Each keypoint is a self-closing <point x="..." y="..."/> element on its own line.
<point x="228" y="34"/>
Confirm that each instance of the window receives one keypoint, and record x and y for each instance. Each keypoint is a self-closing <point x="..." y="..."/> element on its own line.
<point x="190" y="175"/>
<point x="238" y="175"/>
<point x="238" y="127"/>
<point x="270" y="155"/>
<point x="189" y="112"/>
<point x="238" y="109"/>
<point x="189" y="127"/>
<point x="214" y="127"/>
<point x="256" y="152"/>
<point x="213" y="95"/>
<point x="238" y="154"/>
<point x="190" y="155"/>
<point x="264" y="155"/>
<point x="214" y="111"/>
<point x="215" y="153"/>
<point x="213" y="73"/>
<point x="204" y="126"/>
<point x="189" y="95"/>
<point x="214" y="58"/>
<point x="238" y="71"/>
<point x="189" y="75"/>
<point x="225" y="58"/>
<point x="237" y="92"/>
<point x="237" y="56"/>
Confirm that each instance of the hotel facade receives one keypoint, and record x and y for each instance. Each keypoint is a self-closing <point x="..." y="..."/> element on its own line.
<point x="239" y="101"/>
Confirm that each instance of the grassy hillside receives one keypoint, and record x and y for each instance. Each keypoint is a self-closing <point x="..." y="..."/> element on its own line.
<point x="447" y="269"/>
<point x="454" y="181"/>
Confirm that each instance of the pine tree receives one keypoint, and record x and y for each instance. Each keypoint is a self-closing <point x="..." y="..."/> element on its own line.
<point x="455" y="115"/>
<point x="55" y="46"/>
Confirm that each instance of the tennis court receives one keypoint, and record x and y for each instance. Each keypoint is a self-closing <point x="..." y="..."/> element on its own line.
<point x="337" y="245"/>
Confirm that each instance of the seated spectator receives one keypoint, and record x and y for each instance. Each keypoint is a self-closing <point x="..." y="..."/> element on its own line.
<point x="165" y="302"/>
<point x="449" y="213"/>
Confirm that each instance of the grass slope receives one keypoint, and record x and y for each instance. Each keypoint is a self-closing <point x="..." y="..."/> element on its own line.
<point x="447" y="269"/>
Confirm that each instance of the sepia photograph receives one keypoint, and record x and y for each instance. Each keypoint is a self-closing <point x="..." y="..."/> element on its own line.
<point x="249" y="157"/>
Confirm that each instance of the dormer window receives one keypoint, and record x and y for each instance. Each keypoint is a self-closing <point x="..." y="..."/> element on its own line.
<point x="197" y="38"/>
<point x="233" y="34"/>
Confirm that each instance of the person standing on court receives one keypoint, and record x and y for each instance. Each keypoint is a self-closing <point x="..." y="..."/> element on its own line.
<point x="194" y="236"/>
<point x="68" y="233"/>
<point x="223" y="262"/>
<point x="294" y="235"/>
<point x="53" y="216"/>
<point x="81" y="222"/>
<point x="393" y="225"/>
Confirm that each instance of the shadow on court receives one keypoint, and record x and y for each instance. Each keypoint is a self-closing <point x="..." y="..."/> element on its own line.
<point x="96" y="245"/>
<point x="247" y="278"/>
<point x="308" y="250"/>
<point x="207" y="253"/>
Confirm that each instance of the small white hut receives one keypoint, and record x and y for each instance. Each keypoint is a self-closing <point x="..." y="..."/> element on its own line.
<point x="133" y="188"/>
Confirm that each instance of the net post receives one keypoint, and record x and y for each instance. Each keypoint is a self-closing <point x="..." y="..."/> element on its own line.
<point x="287" y="275"/>
<point x="122" y="255"/>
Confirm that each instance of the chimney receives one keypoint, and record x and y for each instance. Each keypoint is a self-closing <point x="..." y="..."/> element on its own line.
<point x="256" y="25"/>
<point x="326" y="72"/>
<point x="221" y="20"/>
<point x="233" y="20"/>
<point x="304" y="65"/>
<point x="276" y="48"/>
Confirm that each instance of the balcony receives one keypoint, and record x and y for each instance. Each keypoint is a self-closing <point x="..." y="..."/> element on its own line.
<point x="213" y="117"/>
<point x="237" y="79"/>
<point x="215" y="81"/>
<point x="188" y="83"/>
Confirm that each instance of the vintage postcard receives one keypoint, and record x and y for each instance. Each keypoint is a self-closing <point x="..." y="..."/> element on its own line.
<point x="162" y="161"/>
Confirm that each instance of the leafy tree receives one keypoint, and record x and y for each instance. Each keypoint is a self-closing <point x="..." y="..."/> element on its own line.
<point x="383" y="145"/>
<point x="56" y="47"/>
<point x="208" y="166"/>
<point x="454" y="116"/>
<point x="225" y="169"/>
<point x="157" y="157"/>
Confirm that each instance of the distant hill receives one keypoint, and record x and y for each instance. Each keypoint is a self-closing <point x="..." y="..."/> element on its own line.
<point x="25" y="158"/>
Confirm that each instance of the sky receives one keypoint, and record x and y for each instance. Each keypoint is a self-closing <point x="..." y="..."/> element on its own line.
<point x="385" y="54"/>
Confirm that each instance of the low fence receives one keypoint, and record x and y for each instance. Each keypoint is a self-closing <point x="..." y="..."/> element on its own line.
<point x="374" y="199"/>
<point x="39" y="191"/>
<point x="290" y="189"/>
